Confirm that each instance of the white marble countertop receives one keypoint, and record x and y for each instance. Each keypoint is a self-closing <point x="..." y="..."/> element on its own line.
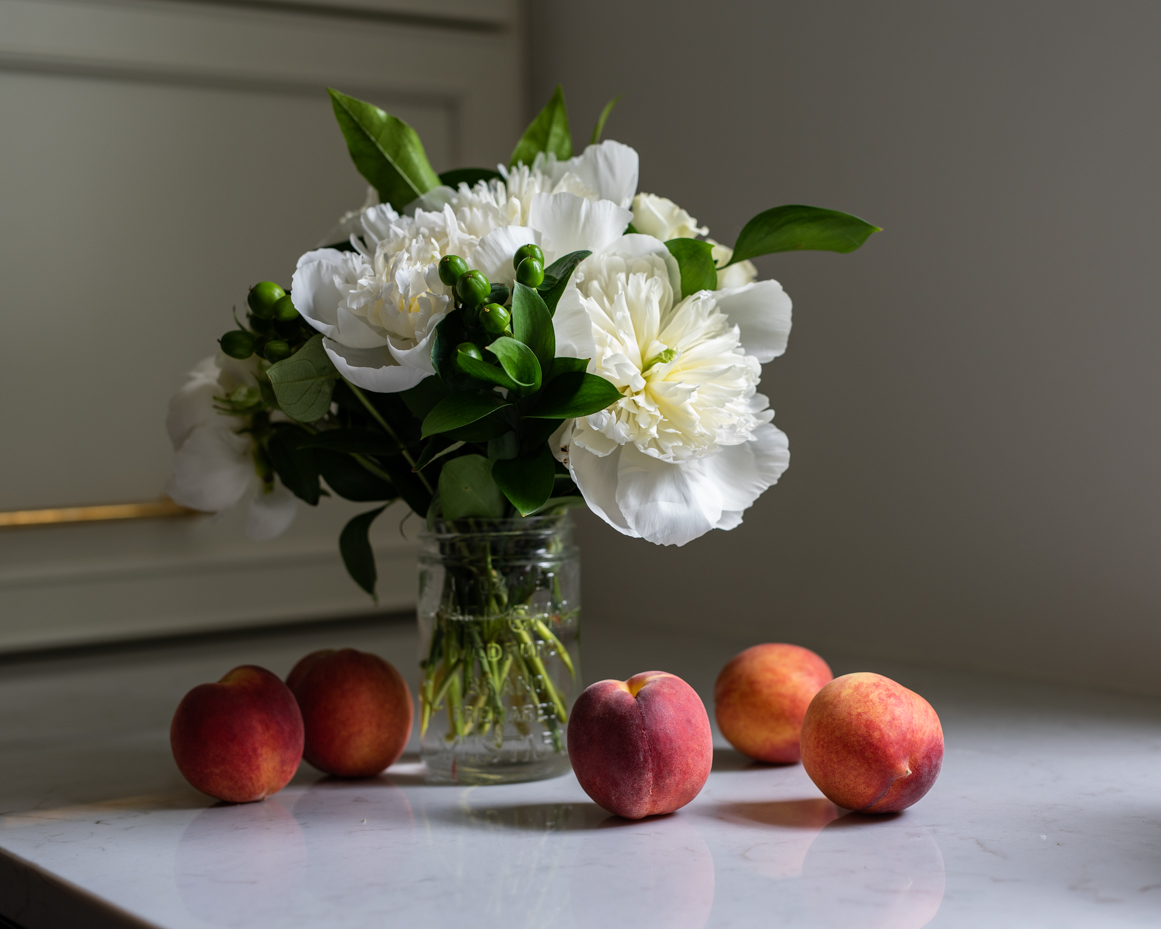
<point x="1046" y="814"/>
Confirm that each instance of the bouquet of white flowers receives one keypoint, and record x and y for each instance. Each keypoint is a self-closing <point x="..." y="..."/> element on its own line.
<point x="489" y="345"/>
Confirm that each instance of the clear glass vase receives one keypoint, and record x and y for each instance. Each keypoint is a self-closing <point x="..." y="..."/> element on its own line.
<point x="499" y="648"/>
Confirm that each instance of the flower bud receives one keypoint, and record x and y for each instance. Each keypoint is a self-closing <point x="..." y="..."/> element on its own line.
<point x="237" y="343"/>
<point x="276" y="350"/>
<point x="451" y="269"/>
<point x="471" y="349"/>
<point x="495" y="318"/>
<point x="262" y="298"/>
<point x="285" y="310"/>
<point x="530" y="273"/>
<point x="473" y="287"/>
<point x="527" y="251"/>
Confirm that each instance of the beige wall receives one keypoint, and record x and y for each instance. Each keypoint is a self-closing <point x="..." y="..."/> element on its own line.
<point x="972" y="400"/>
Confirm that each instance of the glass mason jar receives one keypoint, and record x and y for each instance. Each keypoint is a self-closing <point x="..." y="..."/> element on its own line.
<point x="499" y="648"/>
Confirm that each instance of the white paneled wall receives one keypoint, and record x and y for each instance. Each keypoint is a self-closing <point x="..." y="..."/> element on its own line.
<point x="157" y="158"/>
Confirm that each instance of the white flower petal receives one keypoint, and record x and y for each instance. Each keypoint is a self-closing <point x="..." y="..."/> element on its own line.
<point x="417" y="356"/>
<point x="494" y="254"/>
<point x="573" y="328"/>
<point x="271" y="512"/>
<point x="373" y="368"/>
<point x="353" y="332"/>
<point x="639" y="245"/>
<point x="193" y="404"/>
<point x="743" y="472"/>
<point x="762" y="312"/>
<point x="610" y="169"/>
<point x="314" y="291"/>
<point x="666" y="502"/>
<point x="597" y="480"/>
<point x="569" y="223"/>
<point x="212" y="469"/>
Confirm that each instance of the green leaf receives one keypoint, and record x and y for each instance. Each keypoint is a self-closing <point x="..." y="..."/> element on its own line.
<point x="535" y="432"/>
<point x="484" y="430"/>
<point x="600" y="126"/>
<point x="449" y="333"/>
<point x="409" y="485"/>
<point x="790" y="228"/>
<point x="460" y="409"/>
<point x="423" y="397"/>
<point x="563" y="364"/>
<point x="532" y="325"/>
<point x="574" y="394"/>
<point x="349" y="479"/>
<point x="549" y="133"/>
<point x="304" y="382"/>
<point x="352" y="441"/>
<point x="558" y="273"/>
<point x="469" y="176"/>
<point x="355" y="547"/>
<point x="438" y="447"/>
<point x="518" y="361"/>
<point x="295" y="466"/>
<point x="695" y="259"/>
<point x="527" y="482"/>
<point x="466" y="488"/>
<point x="484" y="371"/>
<point x="386" y="151"/>
<point x="555" y="505"/>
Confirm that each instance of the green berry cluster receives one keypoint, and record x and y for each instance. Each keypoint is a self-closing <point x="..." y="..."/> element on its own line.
<point x="482" y="303"/>
<point x="274" y="329"/>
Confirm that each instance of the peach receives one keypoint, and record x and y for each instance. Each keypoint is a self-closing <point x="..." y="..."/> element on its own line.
<point x="640" y="747"/>
<point x="239" y="739"/>
<point x="870" y="744"/>
<point x="356" y="708"/>
<point x="761" y="696"/>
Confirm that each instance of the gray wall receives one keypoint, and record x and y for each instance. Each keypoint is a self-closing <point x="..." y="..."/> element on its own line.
<point x="972" y="399"/>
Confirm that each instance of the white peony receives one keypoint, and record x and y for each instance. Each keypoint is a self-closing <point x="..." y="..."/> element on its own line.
<point x="213" y="463"/>
<point x="379" y="305"/>
<point x="690" y="445"/>
<point x="744" y="272"/>
<point x="663" y="219"/>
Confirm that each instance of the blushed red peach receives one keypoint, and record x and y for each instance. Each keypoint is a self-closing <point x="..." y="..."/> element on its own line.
<point x="870" y="744"/>
<point x="356" y="708"/>
<point x="641" y="747"/>
<point x="761" y="697"/>
<point x="240" y="739"/>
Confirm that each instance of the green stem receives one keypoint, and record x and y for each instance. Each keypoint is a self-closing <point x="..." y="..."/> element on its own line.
<point x="391" y="432"/>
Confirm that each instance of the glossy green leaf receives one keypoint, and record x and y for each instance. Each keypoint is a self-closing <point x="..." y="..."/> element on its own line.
<point x="535" y="432"/>
<point x="484" y="430"/>
<point x="558" y="274"/>
<point x="423" y="397"/>
<point x="469" y="176"/>
<point x="385" y="150"/>
<point x="294" y="465"/>
<point x="793" y="228"/>
<point x="518" y="362"/>
<point x="485" y="371"/>
<point x="460" y="409"/>
<point x="449" y="333"/>
<point x="437" y="447"/>
<point x="526" y="481"/>
<point x="352" y="441"/>
<point x="555" y="505"/>
<point x="350" y="480"/>
<point x="574" y="394"/>
<point x="355" y="547"/>
<point x="695" y="260"/>
<point x="600" y="126"/>
<point x="562" y="364"/>
<point x="466" y="488"/>
<point x="548" y="132"/>
<point x="532" y="325"/>
<point x="304" y="382"/>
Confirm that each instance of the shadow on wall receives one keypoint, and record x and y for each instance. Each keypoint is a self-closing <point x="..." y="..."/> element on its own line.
<point x="970" y="398"/>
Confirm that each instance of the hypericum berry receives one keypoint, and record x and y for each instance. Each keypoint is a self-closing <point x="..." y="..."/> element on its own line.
<point x="276" y="350"/>
<point x="262" y="298"/>
<point x="530" y="273"/>
<point x="451" y="268"/>
<point x="527" y="251"/>
<point x="495" y="318"/>
<point x="285" y="310"/>
<point x="237" y="343"/>
<point x="473" y="287"/>
<point x="471" y="349"/>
